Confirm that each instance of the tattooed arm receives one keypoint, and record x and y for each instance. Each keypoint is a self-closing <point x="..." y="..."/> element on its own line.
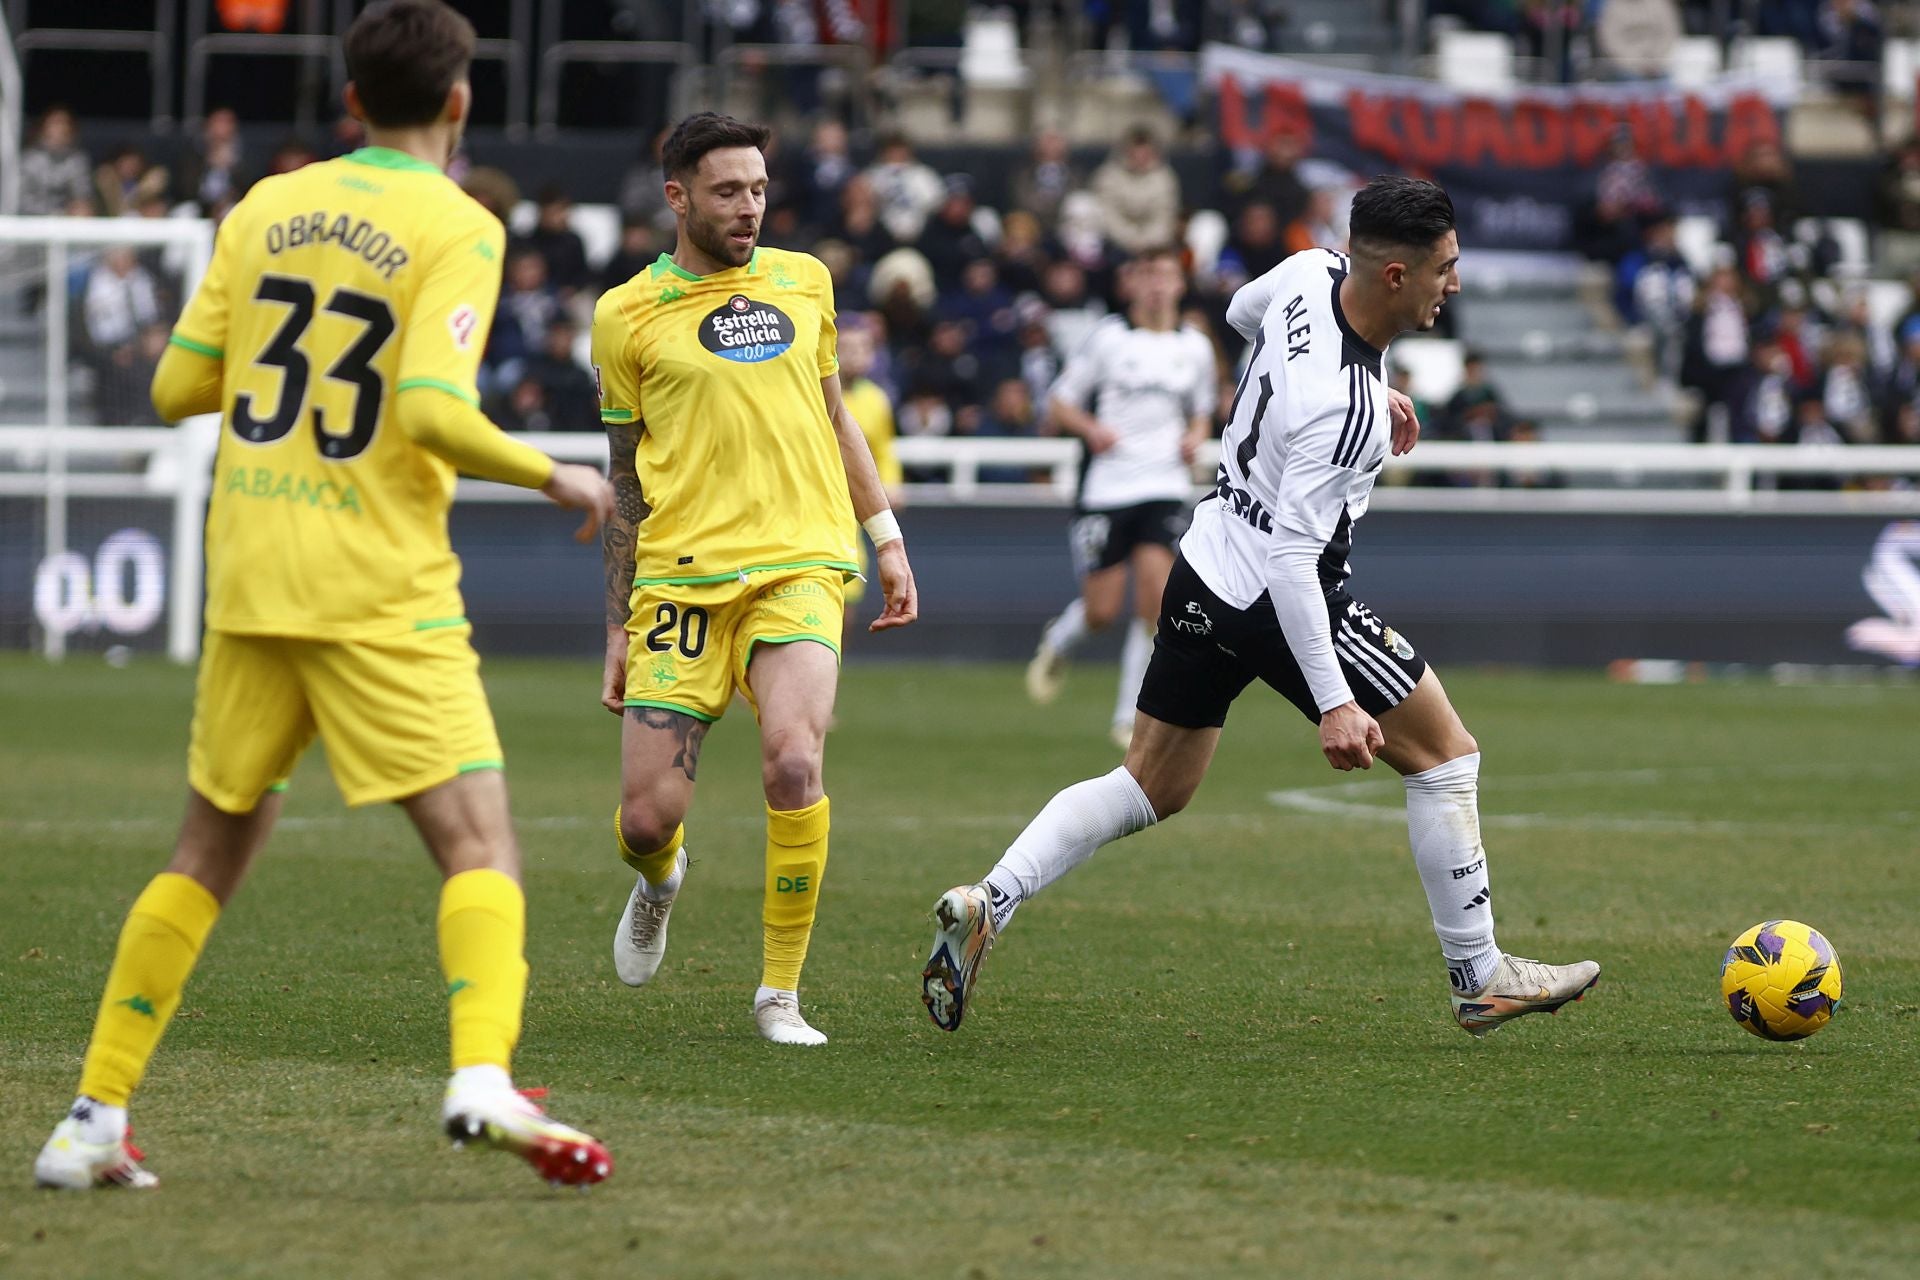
<point x="617" y="547"/>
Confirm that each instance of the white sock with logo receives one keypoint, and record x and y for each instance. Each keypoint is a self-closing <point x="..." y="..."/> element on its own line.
<point x="98" y="1121"/>
<point x="483" y="1077"/>
<point x="1443" y="825"/>
<point x="1075" y="822"/>
<point x="1064" y="633"/>
<point x="1133" y="669"/>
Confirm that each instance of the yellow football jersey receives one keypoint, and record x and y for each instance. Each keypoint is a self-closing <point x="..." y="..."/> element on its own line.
<point x="331" y="290"/>
<point x="737" y="460"/>
<point x="874" y="412"/>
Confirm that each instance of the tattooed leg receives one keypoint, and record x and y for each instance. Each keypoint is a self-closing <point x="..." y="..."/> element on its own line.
<point x="659" y="759"/>
<point x="688" y="732"/>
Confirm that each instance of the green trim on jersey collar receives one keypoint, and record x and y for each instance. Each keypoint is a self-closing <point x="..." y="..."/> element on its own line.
<point x="665" y="263"/>
<point x="388" y="158"/>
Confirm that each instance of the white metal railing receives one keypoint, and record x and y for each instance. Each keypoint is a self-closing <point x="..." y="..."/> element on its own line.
<point x="1589" y="478"/>
<point x="169" y="464"/>
<point x="12" y="117"/>
<point x="46" y="452"/>
<point x="59" y="464"/>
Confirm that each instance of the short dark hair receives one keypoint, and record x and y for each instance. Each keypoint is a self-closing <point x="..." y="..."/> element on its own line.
<point x="1156" y="250"/>
<point x="1394" y="212"/>
<point x="708" y="131"/>
<point x="404" y="57"/>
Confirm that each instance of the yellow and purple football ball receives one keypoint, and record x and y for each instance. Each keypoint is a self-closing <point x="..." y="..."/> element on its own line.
<point x="1781" y="980"/>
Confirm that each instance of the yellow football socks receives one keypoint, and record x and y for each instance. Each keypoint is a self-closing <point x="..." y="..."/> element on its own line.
<point x="483" y="933"/>
<point x="159" y="943"/>
<point x="657" y="866"/>
<point x="796" y="859"/>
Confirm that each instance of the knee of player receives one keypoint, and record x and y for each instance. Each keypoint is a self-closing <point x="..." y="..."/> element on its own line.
<point x="790" y="770"/>
<point x="645" y="828"/>
<point x="1166" y="796"/>
<point x="1453" y="741"/>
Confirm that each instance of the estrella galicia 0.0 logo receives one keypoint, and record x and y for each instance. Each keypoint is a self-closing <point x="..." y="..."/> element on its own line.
<point x="746" y="331"/>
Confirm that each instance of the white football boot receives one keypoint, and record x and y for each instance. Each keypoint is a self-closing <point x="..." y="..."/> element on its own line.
<point x="507" y="1119"/>
<point x="1047" y="672"/>
<point x="779" y="1020"/>
<point x="640" y="943"/>
<point x="1519" y="987"/>
<point x="71" y="1162"/>
<point x="963" y="933"/>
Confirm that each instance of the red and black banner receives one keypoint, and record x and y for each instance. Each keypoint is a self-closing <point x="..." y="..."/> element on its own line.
<point x="1518" y="161"/>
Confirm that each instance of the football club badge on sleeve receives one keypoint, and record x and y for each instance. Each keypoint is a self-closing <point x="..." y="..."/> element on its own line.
<point x="461" y="324"/>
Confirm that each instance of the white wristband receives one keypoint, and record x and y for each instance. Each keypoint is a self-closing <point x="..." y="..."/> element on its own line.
<point x="882" y="528"/>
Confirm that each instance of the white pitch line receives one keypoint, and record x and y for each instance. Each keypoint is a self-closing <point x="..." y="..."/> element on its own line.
<point x="1010" y="822"/>
<point x="1366" y="799"/>
<point x="1330" y="801"/>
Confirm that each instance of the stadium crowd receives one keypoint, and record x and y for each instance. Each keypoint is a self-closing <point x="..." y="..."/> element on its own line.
<point x="1571" y="38"/>
<point x="971" y="310"/>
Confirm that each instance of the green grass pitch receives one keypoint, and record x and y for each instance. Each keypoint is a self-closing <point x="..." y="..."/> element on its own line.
<point x="1221" y="1048"/>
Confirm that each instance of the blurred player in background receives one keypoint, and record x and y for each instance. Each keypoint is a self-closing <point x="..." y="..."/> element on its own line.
<point x="1140" y="391"/>
<point x="1259" y="591"/>
<point x="867" y="401"/>
<point x="338" y="332"/>
<point x="738" y="472"/>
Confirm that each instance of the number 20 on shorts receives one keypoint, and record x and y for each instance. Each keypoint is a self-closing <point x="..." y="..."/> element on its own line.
<point x="690" y="624"/>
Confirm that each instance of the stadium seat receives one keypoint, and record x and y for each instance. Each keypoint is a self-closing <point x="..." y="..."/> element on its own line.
<point x="597" y="225"/>
<point x="1898" y="67"/>
<point x="1473" y="59"/>
<point x="1434" y="364"/>
<point x="1887" y="301"/>
<point x="1776" y="59"/>
<point x="1206" y="236"/>
<point x="990" y="52"/>
<point x="1694" y="61"/>
<point x="1849" y="233"/>
<point x="1697" y="238"/>
<point x="995" y="75"/>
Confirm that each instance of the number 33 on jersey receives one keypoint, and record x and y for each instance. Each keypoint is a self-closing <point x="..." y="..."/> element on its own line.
<point x="332" y="290"/>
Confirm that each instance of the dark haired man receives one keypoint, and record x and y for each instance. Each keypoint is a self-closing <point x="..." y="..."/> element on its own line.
<point x="738" y="473"/>
<point x="338" y="332"/>
<point x="1139" y="392"/>
<point x="1259" y="592"/>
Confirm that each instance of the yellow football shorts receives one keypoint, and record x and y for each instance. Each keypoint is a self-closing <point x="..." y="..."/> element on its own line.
<point x="398" y="715"/>
<point x="688" y="646"/>
<point x="856" y="588"/>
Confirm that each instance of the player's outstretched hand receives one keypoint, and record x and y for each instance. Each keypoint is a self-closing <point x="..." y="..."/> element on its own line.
<point x="1349" y="737"/>
<point x="896" y="582"/>
<point x="613" y="681"/>
<point x="1190" y="445"/>
<point x="581" y="488"/>
<point x="1101" y="438"/>
<point x="1406" y="426"/>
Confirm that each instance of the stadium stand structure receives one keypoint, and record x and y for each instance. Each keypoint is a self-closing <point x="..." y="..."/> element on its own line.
<point x="974" y="91"/>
